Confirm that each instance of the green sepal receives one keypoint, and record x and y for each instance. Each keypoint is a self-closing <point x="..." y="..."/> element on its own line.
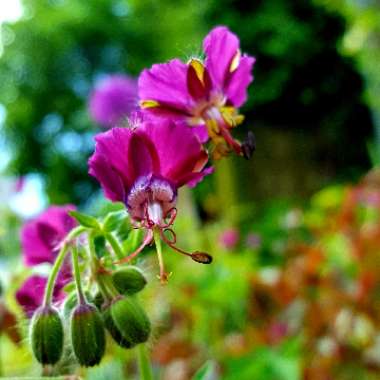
<point x="87" y="335"/>
<point x="46" y="335"/>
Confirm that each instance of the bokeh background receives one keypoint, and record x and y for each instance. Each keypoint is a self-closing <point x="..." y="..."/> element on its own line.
<point x="295" y="232"/>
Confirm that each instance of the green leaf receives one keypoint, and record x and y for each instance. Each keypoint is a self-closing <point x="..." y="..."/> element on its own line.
<point x="85" y="220"/>
<point x="206" y="372"/>
<point x="114" y="220"/>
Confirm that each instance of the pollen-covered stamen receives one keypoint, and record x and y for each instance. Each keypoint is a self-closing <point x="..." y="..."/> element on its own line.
<point x="199" y="257"/>
<point x="219" y="121"/>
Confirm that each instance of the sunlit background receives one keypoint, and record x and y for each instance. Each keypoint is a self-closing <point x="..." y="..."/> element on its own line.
<point x="293" y="292"/>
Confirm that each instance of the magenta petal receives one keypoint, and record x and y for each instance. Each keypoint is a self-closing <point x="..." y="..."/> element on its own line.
<point x="41" y="236"/>
<point x="220" y="47"/>
<point x="31" y="293"/>
<point x="108" y="178"/>
<point x="166" y="83"/>
<point x="195" y="178"/>
<point x="113" y="99"/>
<point x="201" y="132"/>
<point x="121" y="156"/>
<point x="111" y="151"/>
<point x="178" y="149"/>
<point x="236" y="88"/>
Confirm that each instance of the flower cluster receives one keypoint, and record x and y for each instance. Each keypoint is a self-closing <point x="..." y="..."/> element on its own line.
<point x="40" y="241"/>
<point x="142" y="161"/>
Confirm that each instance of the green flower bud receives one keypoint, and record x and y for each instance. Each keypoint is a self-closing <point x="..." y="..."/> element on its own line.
<point x="87" y="335"/>
<point x="72" y="301"/>
<point x="129" y="280"/>
<point x="46" y="335"/>
<point x="130" y="319"/>
<point x="113" y="330"/>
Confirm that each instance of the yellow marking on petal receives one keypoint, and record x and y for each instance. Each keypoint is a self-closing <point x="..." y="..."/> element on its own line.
<point x="197" y="65"/>
<point x="235" y="61"/>
<point x="149" y="104"/>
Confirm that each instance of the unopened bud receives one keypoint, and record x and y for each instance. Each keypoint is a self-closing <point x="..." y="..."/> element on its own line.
<point x="46" y="335"/>
<point x="113" y="329"/>
<point x="131" y="320"/>
<point x="87" y="335"/>
<point x="201" y="257"/>
<point x="129" y="280"/>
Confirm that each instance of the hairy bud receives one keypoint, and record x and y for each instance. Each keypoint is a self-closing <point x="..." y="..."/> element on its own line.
<point x="113" y="329"/>
<point x="129" y="320"/>
<point x="87" y="335"/>
<point x="129" y="280"/>
<point x="46" y="335"/>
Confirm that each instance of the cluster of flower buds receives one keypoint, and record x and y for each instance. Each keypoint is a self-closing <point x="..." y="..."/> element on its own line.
<point x="87" y="318"/>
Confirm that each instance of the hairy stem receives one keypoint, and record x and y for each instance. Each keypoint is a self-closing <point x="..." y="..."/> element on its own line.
<point x="95" y="268"/>
<point x="78" y="283"/>
<point x="58" y="263"/>
<point x="115" y="245"/>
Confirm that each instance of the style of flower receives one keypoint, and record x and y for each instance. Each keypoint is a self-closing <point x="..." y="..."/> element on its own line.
<point x="40" y="242"/>
<point x="203" y="94"/>
<point x="113" y="100"/>
<point x="144" y="167"/>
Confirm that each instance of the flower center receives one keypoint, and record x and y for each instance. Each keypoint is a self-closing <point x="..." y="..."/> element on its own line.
<point x="151" y="205"/>
<point x="150" y="200"/>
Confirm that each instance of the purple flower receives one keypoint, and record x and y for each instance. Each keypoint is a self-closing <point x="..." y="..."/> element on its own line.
<point x="30" y="294"/>
<point x="41" y="236"/>
<point x="203" y="94"/>
<point x="40" y="242"/>
<point x="144" y="167"/>
<point x="113" y="100"/>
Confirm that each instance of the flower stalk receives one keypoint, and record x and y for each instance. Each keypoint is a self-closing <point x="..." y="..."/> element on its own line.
<point x="58" y="263"/>
<point x="144" y="363"/>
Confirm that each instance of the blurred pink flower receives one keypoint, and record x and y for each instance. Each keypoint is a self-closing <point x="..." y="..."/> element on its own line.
<point x="113" y="100"/>
<point x="30" y="294"/>
<point x="229" y="238"/>
<point x="40" y="242"/>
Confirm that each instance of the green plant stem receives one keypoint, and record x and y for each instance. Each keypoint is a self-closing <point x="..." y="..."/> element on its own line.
<point x="144" y="363"/>
<point x="115" y="246"/>
<point x="78" y="283"/>
<point x="1" y="363"/>
<point x="157" y="242"/>
<point x="95" y="268"/>
<point x="58" y="263"/>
